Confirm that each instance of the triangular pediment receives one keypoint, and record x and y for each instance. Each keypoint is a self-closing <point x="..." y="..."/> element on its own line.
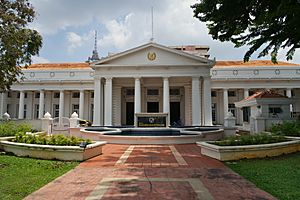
<point x="152" y="54"/>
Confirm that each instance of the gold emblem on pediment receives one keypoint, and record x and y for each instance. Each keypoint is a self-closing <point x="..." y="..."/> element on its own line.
<point x="151" y="56"/>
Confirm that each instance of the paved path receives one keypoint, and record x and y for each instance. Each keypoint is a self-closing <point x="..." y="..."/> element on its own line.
<point x="150" y="172"/>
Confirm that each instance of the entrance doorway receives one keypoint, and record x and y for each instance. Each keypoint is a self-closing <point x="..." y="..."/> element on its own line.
<point x="152" y="107"/>
<point x="175" y="114"/>
<point x="129" y="113"/>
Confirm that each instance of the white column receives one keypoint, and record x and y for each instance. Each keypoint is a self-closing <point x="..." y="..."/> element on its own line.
<point x="97" y="102"/>
<point x="137" y="98"/>
<point x="225" y="101"/>
<point x="108" y="102"/>
<point x="207" y="101"/>
<point x="21" y="105"/>
<point x="166" y="99"/>
<point x="196" y="113"/>
<point x="41" y="104"/>
<point x="61" y="105"/>
<point x="81" y="104"/>
<point x="29" y="112"/>
<point x="2" y="104"/>
<point x="246" y="93"/>
<point x="289" y="95"/>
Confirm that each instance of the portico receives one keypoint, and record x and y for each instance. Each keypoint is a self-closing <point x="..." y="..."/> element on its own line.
<point x="152" y="79"/>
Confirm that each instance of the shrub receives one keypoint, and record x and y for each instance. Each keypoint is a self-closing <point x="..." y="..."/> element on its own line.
<point x="262" y="138"/>
<point x="59" y="140"/>
<point x="11" y="128"/>
<point x="288" y="128"/>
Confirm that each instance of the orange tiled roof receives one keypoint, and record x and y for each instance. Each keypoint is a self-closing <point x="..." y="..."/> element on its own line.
<point x="251" y="63"/>
<point x="265" y="94"/>
<point x="219" y="64"/>
<point x="58" y="66"/>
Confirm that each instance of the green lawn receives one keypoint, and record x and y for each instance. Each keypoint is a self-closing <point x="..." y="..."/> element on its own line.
<point x="280" y="176"/>
<point x="21" y="176"/>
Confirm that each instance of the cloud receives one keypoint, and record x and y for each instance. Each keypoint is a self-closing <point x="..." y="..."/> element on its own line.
<point x="39" y="59"/>
<point x="118" y="32"/>
<point x="75" y="41"/>
<point x="122" y="25"/>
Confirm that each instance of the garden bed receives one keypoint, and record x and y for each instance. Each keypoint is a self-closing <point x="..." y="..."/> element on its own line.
<point x="66" y="153"/>
<point x="225" y="153"/>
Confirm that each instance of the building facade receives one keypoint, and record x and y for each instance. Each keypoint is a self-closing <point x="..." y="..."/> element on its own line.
<point x="180" y="81"/>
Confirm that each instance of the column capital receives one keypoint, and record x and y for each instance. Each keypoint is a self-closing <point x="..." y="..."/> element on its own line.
<point x="108" y="78"/>
<point x="137" y="78"/>
<point x="166" y="77"/>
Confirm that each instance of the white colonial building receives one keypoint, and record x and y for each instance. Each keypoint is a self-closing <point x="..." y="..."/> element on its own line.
<point x="181" y="82"/>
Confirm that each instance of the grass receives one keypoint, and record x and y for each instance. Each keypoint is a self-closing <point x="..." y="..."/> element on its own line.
<point x="280" y="176"/>
<point x="22" y="176"/>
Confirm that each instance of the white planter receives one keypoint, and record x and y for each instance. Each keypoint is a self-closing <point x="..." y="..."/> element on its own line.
<point x="67" y="153"/>
<point x="225" y="153"/>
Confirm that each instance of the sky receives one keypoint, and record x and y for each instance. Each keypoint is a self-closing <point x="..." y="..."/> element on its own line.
<point x="68" y="28"/>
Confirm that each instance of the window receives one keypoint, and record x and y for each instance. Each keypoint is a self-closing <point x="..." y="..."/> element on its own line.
<point x="36" y="110"/>
<point x="56" y="95"/>
<point x="92" y="112"/>
<point x="8" y="108"/>
<point x="75" y="108"/>
<point x="152" y="92"/>
<point x="17" y="111"/>
<point x="274" y="111"/>
<point x="9" y="94"/>
<point x="25" y="95"/>
<point x="231" y="108"/>
<point x="25" y="111"/>
<point x="56" y="110"/>
<point x="75" y="95"/>
<point x="175" y="92"/>
<point x="246" y="114"/>
<point x="231" y="93"/>
<point x="129" y="92"/>
<point x="214" y="112"/>
<point x="213" y="93"/>
<point x="18" y="95"/>
<point x="37" y="95"/>
<point x="92" y="95"/>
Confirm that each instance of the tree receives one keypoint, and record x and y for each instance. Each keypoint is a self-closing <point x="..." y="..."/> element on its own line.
<point x="266" y="24"/>
<point x="18" y="43"/>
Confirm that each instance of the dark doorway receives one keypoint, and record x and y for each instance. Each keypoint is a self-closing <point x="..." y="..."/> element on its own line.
<point x="152" y="107"/>
<point x="175" y="114"/>
<point x="129" y="113"/>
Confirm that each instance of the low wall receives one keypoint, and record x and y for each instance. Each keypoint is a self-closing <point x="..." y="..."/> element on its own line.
<point x="225" y="153"/>
<point x="66" y="153"/>
<point x="190" y="137"/>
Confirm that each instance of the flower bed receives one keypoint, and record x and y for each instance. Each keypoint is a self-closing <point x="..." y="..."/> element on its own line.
<point x="235" y="149"/>
<point x="63" y="148"/>
<point x="44" y="139"/>
<point x="263" y="138"/>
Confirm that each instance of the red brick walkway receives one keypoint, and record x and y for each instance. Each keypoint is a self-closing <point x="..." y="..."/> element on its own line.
<point x="151" y="172"/>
